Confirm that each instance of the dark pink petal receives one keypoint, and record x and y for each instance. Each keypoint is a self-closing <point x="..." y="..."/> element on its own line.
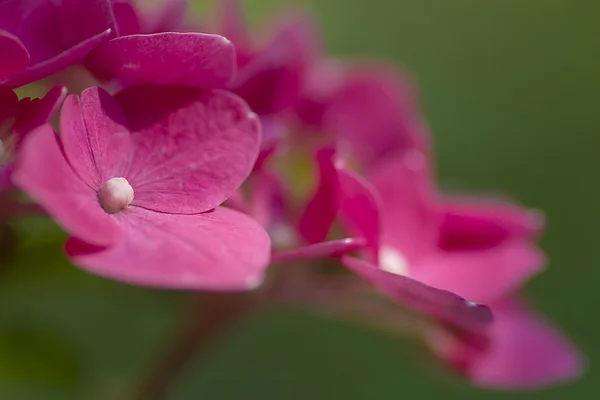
<point x="423" y="298"/>
<point x="271" y="81"/>
<point x="9" y="104"/>
<point x="410" y="216"/>
<point x="191" y="59"/>
<point x="333" y="248"/>
<point x="15" y="57"/>
<point x="219" y="250"/>
<point x="477" y="224"/>
<point x="169" y="17"/>
<point x="524" y="351"/>
<point x="360" y="208"/>
<point x="42" y="172"/>
<point x="56" y="63"/>
<point x="81" y="20"/>
<point x="39" y="111"/>
<point x="126" y="17"/>
<point x="321" y="210"/>
<point x="483" y="275"/>
<point x="193" y="148"/>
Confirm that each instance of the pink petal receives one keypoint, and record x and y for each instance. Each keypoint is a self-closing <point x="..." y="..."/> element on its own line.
<point x="232" y="25"/>
<point x="524" y="351"/>
<point x="321" y="210"/>
<point x="15" y="57"/>
<point x="375" y="110"/>
<point x="58" y="62"/>
<point x="81" y="20"/>
<point x="423" y="298"/>
<point x="360" y="208"/>
<point x="271" y="81"/>
<point x="333" y="248"/>
<point x="42" y="172"/>
<point x="484" y="275"/>
<point x="219" y="250"/>
<point x="169" y="17"/>
<point x="9" y="104"/>
<point x="95" y="138"/>
<point x="193" y="148"/>
<point x="191" y="59"/>
<point x="410" y="217"/>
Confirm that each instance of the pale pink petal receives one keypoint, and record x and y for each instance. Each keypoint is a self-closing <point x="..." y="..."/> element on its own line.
<point x="321" y="210"/>
<point x="522" y="351"/>
<point x="332" y="248"/>
<point x="169" y="17"/>
<point x="42" y="172"/>
<point x="232" y="25"/>
<point x="193" y="148"/>
<point x="80" y="20"/>
<point x="219" y="250"/>
<point x="426" y="299"/>
<point x="15" y="57"/>
<point x="191" y="59"/>
<point x="410" y="216"/>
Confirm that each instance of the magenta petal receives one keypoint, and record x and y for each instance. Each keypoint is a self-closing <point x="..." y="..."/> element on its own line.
<point x="9" y="104"/>
<point x="126" y="17"/>
<point x="193" y="148"/>
<point x="191" y="59"/>
<point x="232" y="25"/>
<point x="410" y="215"/>
<point x="57" y="63"/>
<point x="219" y="250"/>
<point x="423" y="298"/>
<point x="81" y="20"/>
<point x="15" y="57"/>
<point x="42" y="172"/>
<point x="169" y="17"/>
<point x="525" y="352"/>
<point x="333" y="248"/>
<point x="321" y="210"/>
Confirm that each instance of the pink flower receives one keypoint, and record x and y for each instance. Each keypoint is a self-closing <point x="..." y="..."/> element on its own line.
<point x="382" y="263"/>
<point x="365" y="106"/>
<point x="520" y="350"/>
<point x="137" y="180"/>
<point x="17" y="119"/>
<point x="41" y="37"/>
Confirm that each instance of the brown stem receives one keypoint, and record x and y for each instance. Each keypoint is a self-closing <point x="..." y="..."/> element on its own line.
<point x="206" y="318"/>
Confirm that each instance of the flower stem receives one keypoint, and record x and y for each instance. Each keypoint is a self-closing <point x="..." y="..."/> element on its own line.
<point x="206" y="318"/>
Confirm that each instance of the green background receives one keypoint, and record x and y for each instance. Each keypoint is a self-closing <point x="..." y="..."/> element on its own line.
<point x="511" y="91"/>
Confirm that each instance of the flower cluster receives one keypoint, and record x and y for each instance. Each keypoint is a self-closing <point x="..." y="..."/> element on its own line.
<point x="320" y="163"/>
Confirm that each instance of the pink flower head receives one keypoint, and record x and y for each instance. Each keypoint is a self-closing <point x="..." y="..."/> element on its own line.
<point x="520" y="350"/>
<point x="19" y="117"/>
<point x="137" y="180"/>
<point x="380" y="263"/>
<point x="368" y="107"/>
<point x="41" y="37"/>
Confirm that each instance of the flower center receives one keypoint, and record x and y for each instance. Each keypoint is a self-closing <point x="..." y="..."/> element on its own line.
<point x="115" y="194"/>
<point x="391" y="260"/>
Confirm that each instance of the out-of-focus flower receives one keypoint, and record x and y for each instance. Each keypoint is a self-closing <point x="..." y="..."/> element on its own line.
<point x="132" y="19"/>
<point x="41" y="37"/>
<point x="366" y="106"/>
<point x="520" y="350"/>
<point x="383" y="262"/>
<point x="137" y="180"/>
<point x="19" y="117"/>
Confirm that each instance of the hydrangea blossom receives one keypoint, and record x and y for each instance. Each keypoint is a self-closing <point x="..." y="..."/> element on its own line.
<point x="137" y="180"/>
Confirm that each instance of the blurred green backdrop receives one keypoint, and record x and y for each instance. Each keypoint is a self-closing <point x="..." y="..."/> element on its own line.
<point x="511" y="91"/>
